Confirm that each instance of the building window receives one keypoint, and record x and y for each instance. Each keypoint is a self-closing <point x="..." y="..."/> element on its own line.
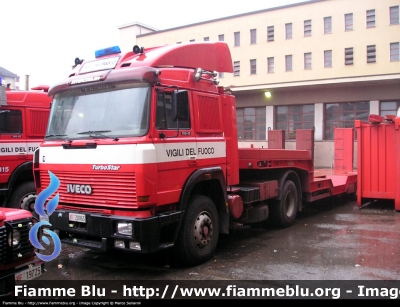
<point x="371" y="54"/>
<point x="389" y="108"/>
<point x="394" y="15"/>
<point x="288" y="62"/>
<point x="192" y="40"/>
<point x="348" y="22"/>
<point x="251" y="123"/>
<point x="270" y="34"/>
<point x="327" y="25"/>
<point x="236" y="68"/>
<point x="253" y="36"/>
<point x="221" y="37"/>
<point x="291" y="118"/>
<point x="307" y="60"/>
<point x="288" y="31"/>
<point x="343" y="115"/>
<point x="307" y="27"/>
<point x="328" y="58"/>
<point x="253" y="67"/>
<point x="270" y="65"/>
<point x="394" y="51"/>
<point x="370" y="18"/>
<point x="237" y="39"/>
<point x="206" y="39"/>
<point x="348" y="56"/>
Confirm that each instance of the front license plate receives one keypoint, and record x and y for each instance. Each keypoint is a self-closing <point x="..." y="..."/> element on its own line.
<point x="29" y="273"/>
<point x="75" y="217"/>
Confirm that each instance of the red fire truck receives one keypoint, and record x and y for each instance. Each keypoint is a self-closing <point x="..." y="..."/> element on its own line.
<point x="145" y="147"/>
<point x="18" y="260"/>
<point x="23" y="121"/>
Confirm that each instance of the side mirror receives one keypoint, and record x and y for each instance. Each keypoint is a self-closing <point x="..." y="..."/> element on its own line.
<point x="180" y="105"/>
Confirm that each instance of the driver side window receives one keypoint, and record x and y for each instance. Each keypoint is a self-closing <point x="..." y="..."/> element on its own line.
<point x="164" y="120"/>
<point x="11" y="122"/>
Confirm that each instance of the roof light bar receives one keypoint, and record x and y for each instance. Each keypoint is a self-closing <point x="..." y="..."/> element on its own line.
<point x="107" y="51"/>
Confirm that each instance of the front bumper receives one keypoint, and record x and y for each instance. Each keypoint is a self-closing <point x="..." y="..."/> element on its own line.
<point x="10" y="278"/>
<point x="99" y="230"/>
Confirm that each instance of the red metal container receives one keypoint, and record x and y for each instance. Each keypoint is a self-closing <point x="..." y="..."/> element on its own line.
<point x="276" y="139"/>
<point x="378" y="145"/>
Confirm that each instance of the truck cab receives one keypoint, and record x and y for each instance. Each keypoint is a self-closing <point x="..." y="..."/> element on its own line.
<point x="23" y="121"/>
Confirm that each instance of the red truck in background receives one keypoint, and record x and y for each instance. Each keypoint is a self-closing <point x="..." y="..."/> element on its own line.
<point x="146" y="150"/>
<point x="18" y="261"/>
<point x="23" y="121"/>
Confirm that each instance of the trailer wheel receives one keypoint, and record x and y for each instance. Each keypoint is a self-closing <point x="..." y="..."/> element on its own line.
<point x="283" y="212"/>
<point x="198" y="236"/>
<point x="20" y="194"/>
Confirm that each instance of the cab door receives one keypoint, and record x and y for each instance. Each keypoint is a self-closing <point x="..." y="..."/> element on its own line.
<point x="13" y="146"/>
<point x="175" y="146"/>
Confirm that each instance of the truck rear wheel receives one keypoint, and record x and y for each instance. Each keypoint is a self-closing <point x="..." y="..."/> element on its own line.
<point x="283" y="212"/>
<point x="20" y="194"/>
<point x="198" y="236"/>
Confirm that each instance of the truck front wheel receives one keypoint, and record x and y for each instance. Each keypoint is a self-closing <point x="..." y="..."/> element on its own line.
<point x="20" y="194"/>
<point x="198" y="236"/>
<point x="283" y="212"/>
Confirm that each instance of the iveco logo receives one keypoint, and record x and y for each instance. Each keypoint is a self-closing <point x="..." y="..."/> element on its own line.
<point x="79" y="188"/>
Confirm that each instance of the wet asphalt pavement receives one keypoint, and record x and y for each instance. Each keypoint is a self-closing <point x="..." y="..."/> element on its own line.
<point x="330" y="241"/>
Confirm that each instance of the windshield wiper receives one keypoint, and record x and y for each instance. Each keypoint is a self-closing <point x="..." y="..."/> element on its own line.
<point x="99" y="133"/>
<point x="96" y="132"/>
<point x="50" y="135"/>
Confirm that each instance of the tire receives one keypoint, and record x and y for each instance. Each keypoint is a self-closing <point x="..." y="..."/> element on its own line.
<point x="283" y="212"/>
<point x="20" y="194"/>
<point x="198" y="236"/>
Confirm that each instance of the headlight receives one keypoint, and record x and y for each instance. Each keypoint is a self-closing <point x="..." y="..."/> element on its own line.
<point x="14" y="238"/>
<point x="124" y="229"/>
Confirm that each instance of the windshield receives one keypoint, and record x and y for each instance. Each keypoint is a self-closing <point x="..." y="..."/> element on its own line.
<point x="121" y="111"/>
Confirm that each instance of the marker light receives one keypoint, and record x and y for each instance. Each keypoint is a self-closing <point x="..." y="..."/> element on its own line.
<point x="78" y="61"/>
<point x="119" y="244"/>
<point x="107" y="51"/>
<point x="134" y="245"/>
<point x="137" y="49"/>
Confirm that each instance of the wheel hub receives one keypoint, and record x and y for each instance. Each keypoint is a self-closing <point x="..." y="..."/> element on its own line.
<point x="203" y="230"/>
<point x="28" y="203"/>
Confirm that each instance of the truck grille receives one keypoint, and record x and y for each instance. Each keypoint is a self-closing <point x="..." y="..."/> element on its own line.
<point x="24" y="249"/>
<point x="106" y="189"/>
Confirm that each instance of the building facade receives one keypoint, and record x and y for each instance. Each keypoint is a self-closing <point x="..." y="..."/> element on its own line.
<point x="7" y="77"/>
<point x="324" y="64"/>
<point x="129" y="32"/>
